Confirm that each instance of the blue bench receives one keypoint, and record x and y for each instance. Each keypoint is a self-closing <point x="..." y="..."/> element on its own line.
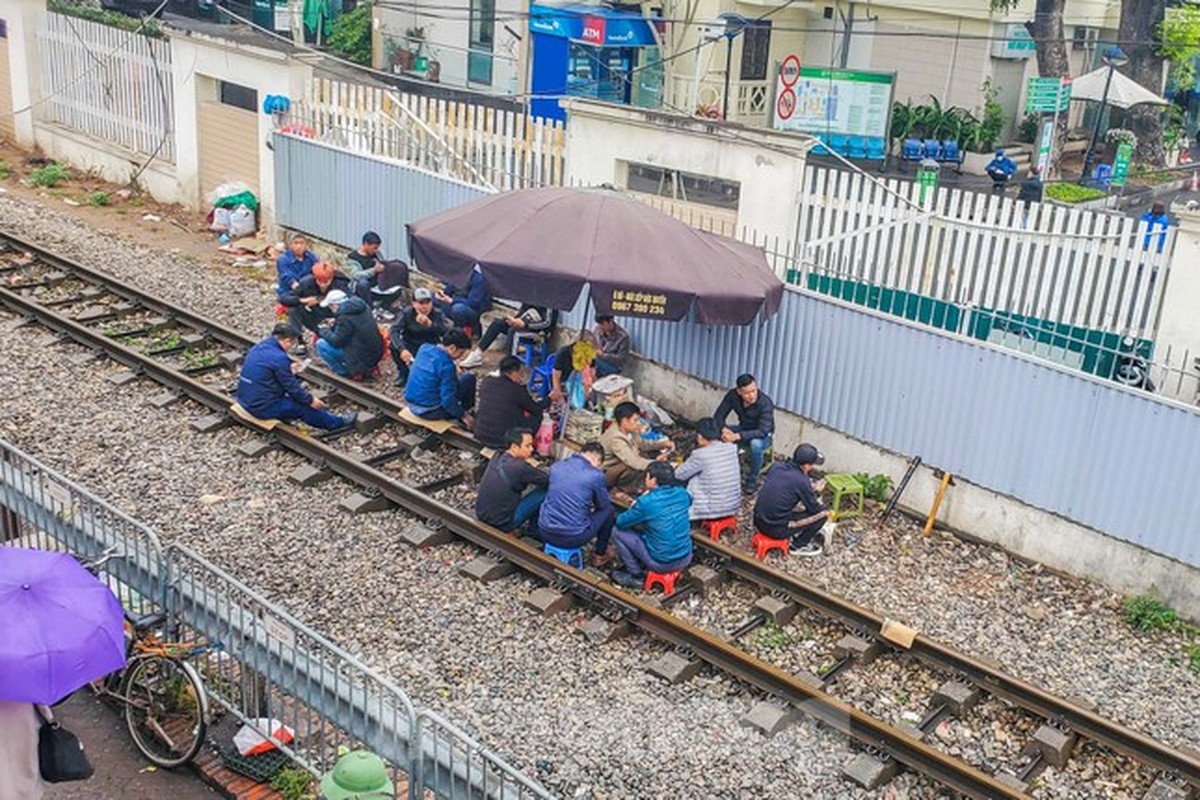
<point x="943" y="152"/>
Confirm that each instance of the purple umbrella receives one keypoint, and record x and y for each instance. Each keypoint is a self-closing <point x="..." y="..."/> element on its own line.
<point x="543" y="246"/>
<point x="60" y="627"/>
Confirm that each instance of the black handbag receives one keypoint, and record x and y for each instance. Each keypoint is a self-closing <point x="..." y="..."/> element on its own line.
<point x="60" y="753"/>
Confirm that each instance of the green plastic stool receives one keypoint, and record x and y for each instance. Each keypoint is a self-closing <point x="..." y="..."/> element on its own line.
<point x="844" y="485"/>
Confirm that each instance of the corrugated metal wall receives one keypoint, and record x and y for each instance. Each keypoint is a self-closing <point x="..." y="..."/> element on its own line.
<point x="337" y="195"/>
<point x="1111" y="458"/>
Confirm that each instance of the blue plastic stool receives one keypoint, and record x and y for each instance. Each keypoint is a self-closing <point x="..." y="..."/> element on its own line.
<point x="571" y="556"/>
<point x="530" y="348"/>
<point x="540" y="381"/>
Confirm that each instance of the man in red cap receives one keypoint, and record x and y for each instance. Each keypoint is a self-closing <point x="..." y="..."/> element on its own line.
<point x="304" y="302"/>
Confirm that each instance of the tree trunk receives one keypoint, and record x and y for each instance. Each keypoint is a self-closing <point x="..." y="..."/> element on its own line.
<point x="1139" y="25"/>
<point x="1046" y="28"/>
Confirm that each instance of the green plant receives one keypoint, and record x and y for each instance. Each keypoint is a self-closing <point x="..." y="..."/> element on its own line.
<point x="1072" y="193"/>
<point x="1028" y="129"/>
<point x="148" y="27"/>
<point x="98" y="198"/>
<point x="875" y="487"/>
<point x="350" y="36"/>
<point x="1119" y="136"/>
<point x="992" y="121"/>
<point x="50" y="175"/>
<point x="6" y="170"/>
<point x="1147" y="613"/>
<point x="773" y="637"/>
<point x="293" y="783"/>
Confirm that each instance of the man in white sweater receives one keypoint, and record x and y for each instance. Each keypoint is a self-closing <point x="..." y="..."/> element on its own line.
<point x="712" y="473"/>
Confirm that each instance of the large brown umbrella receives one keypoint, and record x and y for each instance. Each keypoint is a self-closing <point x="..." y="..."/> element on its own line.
<point x="543" y="246"/>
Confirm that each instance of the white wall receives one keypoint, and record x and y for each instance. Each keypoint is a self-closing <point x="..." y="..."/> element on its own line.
<point x="23" y="18"/>
<point x="197" y="56"/>
<point x="601" y="137"/>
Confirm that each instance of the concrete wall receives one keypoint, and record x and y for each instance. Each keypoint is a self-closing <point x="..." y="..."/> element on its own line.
<point x="22" y="18"/>
<point x="979" y="513"/>
<point x="602" y="138"/>
<point x="198" y="57"/>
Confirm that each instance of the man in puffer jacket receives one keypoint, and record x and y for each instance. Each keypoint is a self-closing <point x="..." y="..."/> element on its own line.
<point x="353" y="346"/>
<point x="654" y="533"/>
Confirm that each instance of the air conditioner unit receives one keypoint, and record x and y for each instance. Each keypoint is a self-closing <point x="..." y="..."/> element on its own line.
<point x="1085" y="38"/>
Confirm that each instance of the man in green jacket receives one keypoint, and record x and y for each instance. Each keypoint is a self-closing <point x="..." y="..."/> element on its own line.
<point x="654" y="534"/>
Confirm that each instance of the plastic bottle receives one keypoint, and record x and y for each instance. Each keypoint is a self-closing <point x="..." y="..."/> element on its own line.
<point x="544" y="440"/>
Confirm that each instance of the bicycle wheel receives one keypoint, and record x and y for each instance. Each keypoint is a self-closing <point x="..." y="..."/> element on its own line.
<point x="166" y="709"/>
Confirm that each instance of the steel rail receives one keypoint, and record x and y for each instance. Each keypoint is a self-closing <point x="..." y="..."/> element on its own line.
<point x="987" y="677"/>
<point x="905" y="748"/>
<point x="995" y="682"/>
<point x="351" y="390"/>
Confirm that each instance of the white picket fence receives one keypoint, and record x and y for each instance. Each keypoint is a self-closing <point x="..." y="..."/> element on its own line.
<point x="486" y="146"/>
<point x="111" y="84"/>
<point x="1079" y="267"/>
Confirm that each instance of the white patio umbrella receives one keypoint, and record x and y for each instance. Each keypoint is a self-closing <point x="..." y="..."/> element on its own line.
<point x="1123" y="93"/>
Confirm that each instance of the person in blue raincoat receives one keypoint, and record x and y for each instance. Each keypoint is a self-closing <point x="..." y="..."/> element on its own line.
<point x="1000" y="169"/>
<point x="1156" y="217"/>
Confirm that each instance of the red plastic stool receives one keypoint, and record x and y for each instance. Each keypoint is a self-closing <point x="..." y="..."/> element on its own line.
<point x="764" y="544"/>
<point x="281" y="311"/>
<point x="664" y="579"/>
<point x="716" y="527"/>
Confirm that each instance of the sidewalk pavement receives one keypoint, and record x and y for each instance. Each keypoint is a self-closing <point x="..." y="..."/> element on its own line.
<point x="121" y="771"/>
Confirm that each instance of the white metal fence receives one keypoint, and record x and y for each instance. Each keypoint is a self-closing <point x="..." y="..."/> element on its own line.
<point x="488" y="147"/>
<point x="111" y="84"/>
<point x="1091" y="269"/>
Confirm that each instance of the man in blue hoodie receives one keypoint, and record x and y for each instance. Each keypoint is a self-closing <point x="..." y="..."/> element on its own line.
<point x="577" y="507"/>
<point x="435" y="390"/>
<point x="268" y="389"/>
<point x="464" y="306"/>
<point x="654" y="533"/>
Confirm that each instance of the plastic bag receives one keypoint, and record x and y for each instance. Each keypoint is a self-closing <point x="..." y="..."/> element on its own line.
<point x="230" y="189"/>
<point x="241" y="223"/>
<point x="654" y="413"/>
<point x="576" y="396"/>
<point x="220" y="220"/>
<point x="250" y="742"/>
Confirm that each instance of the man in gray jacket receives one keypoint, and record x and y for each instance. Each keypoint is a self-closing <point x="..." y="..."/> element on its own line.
<point x="712" y="473"/>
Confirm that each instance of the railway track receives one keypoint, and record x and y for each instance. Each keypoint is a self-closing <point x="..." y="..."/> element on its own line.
<point x="193" y="357"/>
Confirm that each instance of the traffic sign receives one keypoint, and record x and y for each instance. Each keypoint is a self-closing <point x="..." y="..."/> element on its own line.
<point x="789" y="71"/>
<point x="785" y="106"/>
<point x="1121" y="164"/>
<point x="1047" y="95"/>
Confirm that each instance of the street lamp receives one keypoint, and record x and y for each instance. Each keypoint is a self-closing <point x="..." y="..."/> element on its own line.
<point x="734" y="24"/>
<point x="1113" y="57"/>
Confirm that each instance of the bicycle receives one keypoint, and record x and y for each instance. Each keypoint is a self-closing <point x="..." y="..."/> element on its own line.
<point x="165" y="704"/>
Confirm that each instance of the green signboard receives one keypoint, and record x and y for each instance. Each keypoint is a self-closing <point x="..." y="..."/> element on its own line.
<point x="1047" y="95"/>
<point x="832" y="101"/>
<point x="1121" y="165"/>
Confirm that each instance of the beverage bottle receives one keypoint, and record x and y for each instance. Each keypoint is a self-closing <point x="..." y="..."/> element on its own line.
<point x="544" y="440"/>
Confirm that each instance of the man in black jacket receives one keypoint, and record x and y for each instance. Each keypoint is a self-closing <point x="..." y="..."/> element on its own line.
<point x="755" y="424"/>
<point x="788" y="506"/>
<point x="304" y="302"/>
<point x="353" y="346"/>
<point x="505" y="403"/>
<point x="529" y="318"/>
<point x="502" y="500"/>
<point x="419" y="325"/>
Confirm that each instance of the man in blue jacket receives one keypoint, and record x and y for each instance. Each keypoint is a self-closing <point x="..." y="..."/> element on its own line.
<point x="435" y="390"/>
<point x="654" y="533"/>
<point x="294" y="265"/>
<point x="577" y="508"/>
<point x="463" y="306"/>
<point x="755" y="424"/>
<point x="268" y="389"/>
<point x="788" y="506"/>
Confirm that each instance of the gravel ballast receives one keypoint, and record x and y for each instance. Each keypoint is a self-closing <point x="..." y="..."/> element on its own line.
<point x="535" y="691"/>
